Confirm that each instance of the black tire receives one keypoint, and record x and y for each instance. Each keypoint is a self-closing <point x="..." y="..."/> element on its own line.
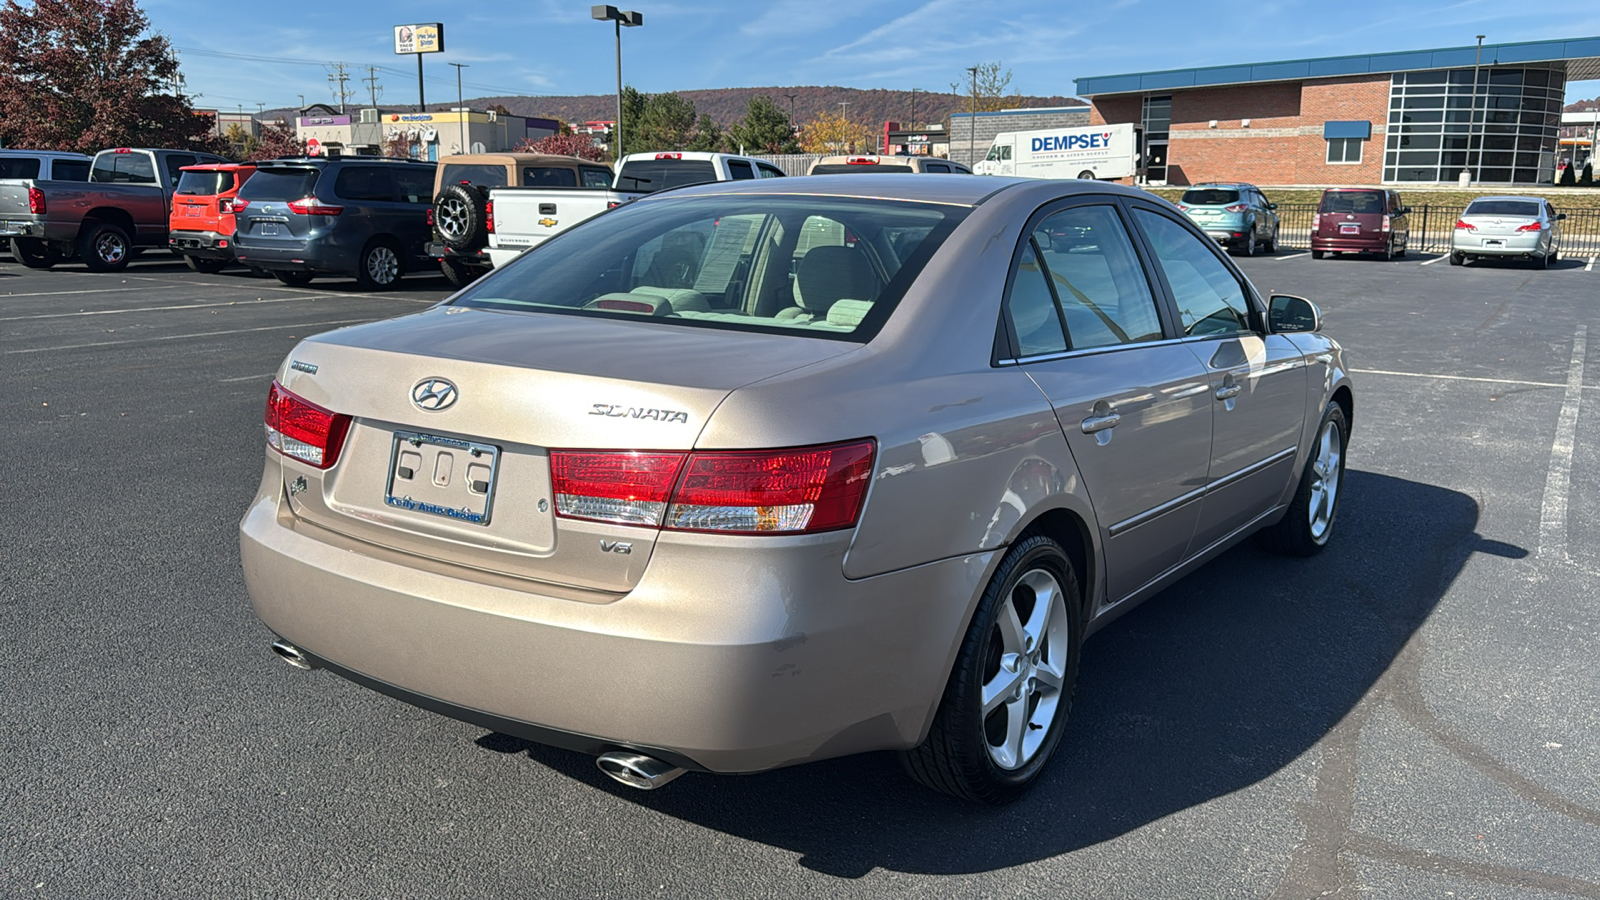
<point x="1248" y="248"/>
<point x="1272" y="245"/>
<point x="959" y="755"/>
<point x="293" y="279"/>
<point x="205" y="266"/>
<point x="460" y="216"/>
<point x="380" y="265"/>
<point x="1308" y="525"/>
<point x="1543" y="262"/>
<point x="1555" y="254"/>
<point x="1457" y="258"/>
<point x="458" y="273"/>
<point x="105" y="247"/>
<point x="34" y="253"/>
<point x="1316" y="254"/>
<point x="1086" y="175"/>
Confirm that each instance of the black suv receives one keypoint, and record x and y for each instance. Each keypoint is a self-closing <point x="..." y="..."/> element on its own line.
<point x="354" y="215"/>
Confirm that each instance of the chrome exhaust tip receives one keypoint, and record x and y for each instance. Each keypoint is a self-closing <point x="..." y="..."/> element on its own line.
<point x="637" y="770"/>
<point x="292" y="655"/>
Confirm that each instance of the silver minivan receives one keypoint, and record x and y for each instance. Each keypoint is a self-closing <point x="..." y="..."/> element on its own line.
<point x="1510" y="227"/>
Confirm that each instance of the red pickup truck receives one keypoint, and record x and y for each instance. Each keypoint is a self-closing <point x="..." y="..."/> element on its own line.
<point x="201" y="227"/>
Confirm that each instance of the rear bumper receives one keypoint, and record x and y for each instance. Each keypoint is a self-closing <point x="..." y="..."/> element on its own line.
<point x="730" y="655"/>
<point x="478" y="258"/>
<point x="301" y="256"/>
<point x="1375" y="243"/>
<point x="202" y="244"/>
<point x="1511" y="245"/>
<point x="22" y="227"/>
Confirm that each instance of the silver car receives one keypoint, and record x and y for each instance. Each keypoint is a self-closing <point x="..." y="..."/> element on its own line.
<point x="1508" y="227"/>
<point x="751" y="474"/>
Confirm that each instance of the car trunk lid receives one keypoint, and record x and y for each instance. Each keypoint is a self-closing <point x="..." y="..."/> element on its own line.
<point x="1351" y="214"/>
<point x="267" y="219"/>
<point x="469" y="483"/>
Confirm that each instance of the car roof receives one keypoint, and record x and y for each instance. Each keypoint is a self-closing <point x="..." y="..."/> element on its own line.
<point x="518" y="158"/>
<point x="217" y="167"/>
<point x="325" y="161"/>
<point x="40" y="154"/>
<point x="955" y="189"/>
<point x="1508" y="197"/>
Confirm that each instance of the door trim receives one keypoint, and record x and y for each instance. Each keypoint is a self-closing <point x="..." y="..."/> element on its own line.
<point x="1135" y="521"/>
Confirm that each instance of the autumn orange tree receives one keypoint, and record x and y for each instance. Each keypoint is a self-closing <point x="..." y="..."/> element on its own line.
<point x="88" y="74"/>
<point x="834" y="133"/>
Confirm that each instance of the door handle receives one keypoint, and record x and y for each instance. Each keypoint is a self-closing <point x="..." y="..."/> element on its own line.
<point x="1228" y="391"/>
<point x="1095" y="424"/>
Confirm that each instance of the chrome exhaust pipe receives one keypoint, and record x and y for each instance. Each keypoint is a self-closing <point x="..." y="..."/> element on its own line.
<point x="292" y="655"/>
<point x="637" y="770"/>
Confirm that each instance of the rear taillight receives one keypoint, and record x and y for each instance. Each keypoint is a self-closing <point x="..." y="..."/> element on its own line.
<point x="613" y="204"/>
<point x="1463" y="224"/>
<point x="626" y="488"/>
<point x="311" y="206"/>
<point x="861" y="161"/>
<point x="795" y="491"/>
<point x="36" y="204"/>
<point x="1532" y="226"/>
<point x="1181" y="207"/>
<point x="224" y="206"/>
<point x="238" y="204"/>
<point x="488" y="217"/>
<point x="1316" y="221"/>
<point x="1385" y="225"/>
<point x="302" y="430"/>
<point x="1238" y="208"/>
<point x="430" y="217"/>
<point x="669" y="156"/>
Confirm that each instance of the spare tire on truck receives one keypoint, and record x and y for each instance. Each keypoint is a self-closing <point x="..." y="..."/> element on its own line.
<point x="461" y="215"/>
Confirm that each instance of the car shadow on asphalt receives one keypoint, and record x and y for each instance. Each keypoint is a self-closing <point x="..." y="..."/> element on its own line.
<point x="1215" y="684"/>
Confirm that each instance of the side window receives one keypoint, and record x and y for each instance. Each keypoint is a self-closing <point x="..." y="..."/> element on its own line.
<point x="937" y="167"/>
<point x="595" y="178"/>
<point x="1210" y="299"/>
<point x="1005" y="152"/>
<point x="413" y="185"/>
<point x="175" y="163"/>
<point x="70" y="170"/>
<point x="739" y="170"/>
<point x="1032" y="308"/>
<point x="549" y="176"/>
<point x="767" y="171"/>
<point x="960" y="169"/>
<point x="1099" y="285"/>
<point x="364" y="183"/>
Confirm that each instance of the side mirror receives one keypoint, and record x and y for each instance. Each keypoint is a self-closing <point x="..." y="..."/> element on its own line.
<point x="1405" y="210"/>
<point x="1287" y="314"/>
<point x="1272" y="206"/>
<point x="1560" y="216"/>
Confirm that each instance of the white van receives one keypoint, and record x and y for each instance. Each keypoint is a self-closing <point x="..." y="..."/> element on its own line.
<point x="1089" y="152"/>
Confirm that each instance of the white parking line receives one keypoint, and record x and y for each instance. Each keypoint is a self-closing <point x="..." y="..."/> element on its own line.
<point x="1551" y="384"/>
<point x="246" y="378"/>
<point x="115" y="312"/>
<point x="1590" y="266"/>
<point x="1291" y="255"/>
<point x="1558" y="480"/>
<point x="65" y="293"/>
<point x="179" y="337"/>
<point x="1429" y="262"/>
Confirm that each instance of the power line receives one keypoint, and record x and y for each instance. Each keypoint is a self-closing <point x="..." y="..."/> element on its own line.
<point x="391" y="70"/>
<point x="339" y="78"/>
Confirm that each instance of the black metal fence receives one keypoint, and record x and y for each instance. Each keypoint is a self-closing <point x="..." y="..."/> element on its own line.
<point x="1433" y="226"/>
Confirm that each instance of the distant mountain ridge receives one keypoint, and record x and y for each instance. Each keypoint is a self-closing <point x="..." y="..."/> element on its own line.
<point x="727" y="105"/>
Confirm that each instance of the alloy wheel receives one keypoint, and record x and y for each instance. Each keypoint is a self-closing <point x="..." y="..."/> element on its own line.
<point x="1327" y="471"/>
<point x="452" y="217"/>
<point x="383" y="267"/>
<point x="110" y="248"/>
<point x="1025" y="669"/>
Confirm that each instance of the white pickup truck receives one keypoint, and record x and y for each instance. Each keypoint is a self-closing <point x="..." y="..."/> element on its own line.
<point x="520" y="218"/>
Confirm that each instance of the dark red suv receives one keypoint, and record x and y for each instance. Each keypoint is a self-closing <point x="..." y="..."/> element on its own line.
<point x="1360" y="220"/>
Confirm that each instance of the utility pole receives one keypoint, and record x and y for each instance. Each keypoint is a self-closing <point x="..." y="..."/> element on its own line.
<point x="339" y="78"/>
<point x="913" y="123"/>
<point x="791" y="110"/>
<point x="461" y="111"/>
<point x="972" y="116"/>
<point x="373" y="88"/>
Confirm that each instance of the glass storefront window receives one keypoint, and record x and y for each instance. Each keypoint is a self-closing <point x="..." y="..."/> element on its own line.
<point x="1441" y="122"/>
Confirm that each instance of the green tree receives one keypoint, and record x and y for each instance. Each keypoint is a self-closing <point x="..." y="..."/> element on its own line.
<point x="667" y="124"/>
<point x="986" y="90"/>
<point x="88" y="74"/>
<point x="708" y="136"/>
<point x="765" y="128"/>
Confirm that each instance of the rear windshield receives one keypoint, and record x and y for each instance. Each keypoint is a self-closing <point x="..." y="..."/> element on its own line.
<point x="650" y="175"/>
<point x="205" y="184"/>
<point x="481" y="174"/>
<point x="280" y="184"/>
<point x="1523" y="209"/>
<point x="1352" y="202"/>
<point x="19" y="167"/>
<point x="1209" y="197"/>
<point x="847" y="169"/>
<point x="830" y="267"/>
<point x="124" y="168"/>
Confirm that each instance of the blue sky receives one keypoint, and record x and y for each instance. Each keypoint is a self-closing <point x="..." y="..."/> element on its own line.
<point x="553" y="48"/>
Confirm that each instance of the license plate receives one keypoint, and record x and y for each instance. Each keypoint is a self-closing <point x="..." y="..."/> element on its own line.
<point x="1493" y="242"/>
<point x="442" y="476"/>
<point x="192" y="212"/>
<point x="268" y="229"/>
<point x="1349" y="229"/>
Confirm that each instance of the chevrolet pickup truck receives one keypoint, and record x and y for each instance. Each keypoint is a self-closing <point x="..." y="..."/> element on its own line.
<point x="123" y="207"/>
<point x="521" y="218"/>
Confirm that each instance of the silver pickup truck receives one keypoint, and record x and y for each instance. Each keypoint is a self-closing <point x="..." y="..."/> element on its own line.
<point x="122" y="208"/>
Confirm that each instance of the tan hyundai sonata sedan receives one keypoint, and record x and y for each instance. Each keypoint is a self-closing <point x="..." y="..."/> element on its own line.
<point x="746" y="475"/>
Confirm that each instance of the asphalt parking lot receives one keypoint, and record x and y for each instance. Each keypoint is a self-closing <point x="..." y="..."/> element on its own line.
<point x="1410" y="714"/>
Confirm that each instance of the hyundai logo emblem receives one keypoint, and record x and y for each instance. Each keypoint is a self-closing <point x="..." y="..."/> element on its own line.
<point x="433" y="394"/>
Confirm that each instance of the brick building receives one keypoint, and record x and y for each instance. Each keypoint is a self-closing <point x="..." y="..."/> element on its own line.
<point x="1420" y="116"/>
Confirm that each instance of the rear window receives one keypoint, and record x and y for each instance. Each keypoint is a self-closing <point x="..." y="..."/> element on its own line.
<point x="19" y="167"/>
<point x="549" y="176"/>
<point x="481" y="174"/>
<point x="124" y="168"/>
<point x="596" y="178"/>
<point x="650" y="175"/>
<point x="70" y="170"/>
<point x="847" y="169"/>
<point x="1209" y="197"/>
<point x="827" y="267"/>
<point x="1523" y="209"/>
<point x="205" y="184"/>
<point x="280" y="184"/>
<point x="1352" y="202"/>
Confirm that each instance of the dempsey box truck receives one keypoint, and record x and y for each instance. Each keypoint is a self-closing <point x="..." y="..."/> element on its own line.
<point x="1090" y="152"/>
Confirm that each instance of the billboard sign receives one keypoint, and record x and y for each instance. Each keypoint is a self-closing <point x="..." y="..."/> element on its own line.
<point x="428" y="38"/>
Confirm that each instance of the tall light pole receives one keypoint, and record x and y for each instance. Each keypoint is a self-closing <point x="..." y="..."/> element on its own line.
<point x="621" y="17"/>
<point x="913" y="123"/>
<point x="1477" y="168"/>
<point x="461" y="112"/>
<point x="972" y="116"/>
<point x="791" y="110"/>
